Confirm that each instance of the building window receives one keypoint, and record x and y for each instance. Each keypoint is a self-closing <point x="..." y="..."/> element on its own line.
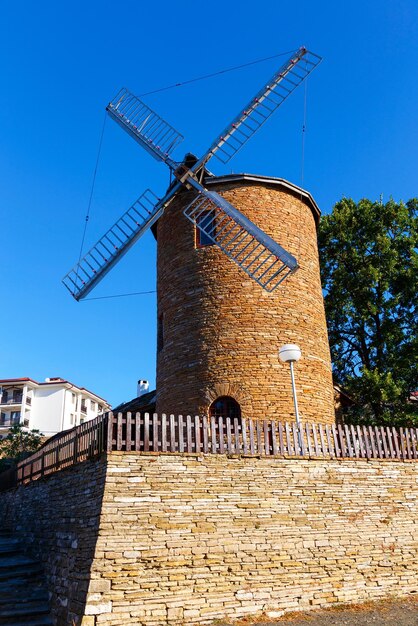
<point x="207" y="221"/>
<point x="100" y="408"/>
<point x="15" y="417"/>
<point x="160" y="333"/>
<point x="74" y="397"/>
<point x="93" y="405"/>
<point x="225" y="406"/>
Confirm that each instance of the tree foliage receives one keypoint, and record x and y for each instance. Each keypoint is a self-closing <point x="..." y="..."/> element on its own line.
<point x="369" y="269"/>
<point x="18" y="444"/>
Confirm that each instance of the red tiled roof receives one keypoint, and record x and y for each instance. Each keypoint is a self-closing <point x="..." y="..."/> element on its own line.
<point x="18" y="380"/>
<point x="53" y="381"/>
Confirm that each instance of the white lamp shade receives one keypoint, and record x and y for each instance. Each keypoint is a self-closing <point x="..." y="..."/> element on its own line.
<point x="290" y="352"/>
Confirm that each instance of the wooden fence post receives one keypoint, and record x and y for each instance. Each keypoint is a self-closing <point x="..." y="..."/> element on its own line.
<point x="109" y="441"/>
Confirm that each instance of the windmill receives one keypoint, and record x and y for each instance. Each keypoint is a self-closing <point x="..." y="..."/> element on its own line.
<point x="256" y="253"/>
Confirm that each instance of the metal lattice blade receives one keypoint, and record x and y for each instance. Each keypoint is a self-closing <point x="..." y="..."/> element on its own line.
<point x="263" y="105"/>
<point x="114" y="244"/>
<point x="147" y="128"/>
<point x="248" y="246"/>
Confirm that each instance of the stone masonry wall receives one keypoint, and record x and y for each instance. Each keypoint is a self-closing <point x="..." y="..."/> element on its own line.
<point x="190" y="539"/>
<point x="222" y="331"/>
<point x="58" y="520"/>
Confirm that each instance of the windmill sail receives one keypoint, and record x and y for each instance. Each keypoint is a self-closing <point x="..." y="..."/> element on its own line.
<point x="263" y="105"/>
<point x="153" y="133"/>
<point x="248" y="246"/>
<point x="254" y="251"/>
<point x="114" y="244"/>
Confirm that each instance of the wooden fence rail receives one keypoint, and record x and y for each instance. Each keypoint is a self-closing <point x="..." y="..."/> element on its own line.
<point x="83" y="442"/>
<point x="151" y="433"/>
<point x="197" y="434"/>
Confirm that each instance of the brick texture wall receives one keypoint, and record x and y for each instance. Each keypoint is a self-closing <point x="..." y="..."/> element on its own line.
<point x="184" y="540"/>
<point x="222" y="331"/>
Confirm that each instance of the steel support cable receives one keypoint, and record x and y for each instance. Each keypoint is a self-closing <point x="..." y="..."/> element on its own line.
<point x="205" y="76"/>
<point x="302" y="169"/>
<point x="120" y="295"/>
<point x="91" y="193"/>
<point x="302" y="166"/>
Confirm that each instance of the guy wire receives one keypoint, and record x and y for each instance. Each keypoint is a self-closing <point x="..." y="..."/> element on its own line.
<point x="230" y="69"/>
<point x="91" y="193"/>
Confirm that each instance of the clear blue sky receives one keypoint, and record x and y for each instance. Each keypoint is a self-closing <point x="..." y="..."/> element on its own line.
<point x="63" y="61"/>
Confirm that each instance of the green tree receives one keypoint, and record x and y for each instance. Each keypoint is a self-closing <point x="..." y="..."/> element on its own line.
<point x="369" y="270"/>
<point x="18" y="444"/>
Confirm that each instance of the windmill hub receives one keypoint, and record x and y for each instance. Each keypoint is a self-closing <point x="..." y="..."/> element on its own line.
<point x="185" y="168"/>
<point x="190" y="160"/>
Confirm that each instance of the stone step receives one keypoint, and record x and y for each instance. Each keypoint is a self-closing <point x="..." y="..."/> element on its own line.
<point x="17" y="560"/>
<point x="41" y="620"/>
<point x="22" y="610"/>
<point x="9" y="545"/>
<point x="20" y="583"/>
<point x="9" y="548"/>
<point x="27" y="571"/>
<point x="22" y="595"/>
<point x="24" y="599"/>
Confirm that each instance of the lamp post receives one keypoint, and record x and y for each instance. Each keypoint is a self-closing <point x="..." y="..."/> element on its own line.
<point x="290" y="353"/>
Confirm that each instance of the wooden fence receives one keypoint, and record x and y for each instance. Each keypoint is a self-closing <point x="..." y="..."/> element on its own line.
<point x="142" y="432"/>
<point x="83" y="442"/>
<point x="197" y="434"/>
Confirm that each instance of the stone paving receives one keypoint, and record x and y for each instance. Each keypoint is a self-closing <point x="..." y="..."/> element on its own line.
<point x="402" y="612"/>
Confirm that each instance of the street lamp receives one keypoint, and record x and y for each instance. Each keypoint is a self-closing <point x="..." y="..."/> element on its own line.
<point x="290" y="353"/>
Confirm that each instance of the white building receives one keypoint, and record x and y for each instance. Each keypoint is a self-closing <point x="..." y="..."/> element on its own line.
<point x="51" y="406"/>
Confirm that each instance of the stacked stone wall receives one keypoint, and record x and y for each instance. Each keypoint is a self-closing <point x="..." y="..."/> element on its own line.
<point x="58" y="520"/>
<point x="222" y="331"/>
<point x="191" y="539"/>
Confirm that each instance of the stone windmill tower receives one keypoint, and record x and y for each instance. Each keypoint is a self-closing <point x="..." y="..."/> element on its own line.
<point x="220" y="323"/>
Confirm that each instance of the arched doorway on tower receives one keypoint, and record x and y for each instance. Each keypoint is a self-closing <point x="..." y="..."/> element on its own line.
<point x="225" y="406"/>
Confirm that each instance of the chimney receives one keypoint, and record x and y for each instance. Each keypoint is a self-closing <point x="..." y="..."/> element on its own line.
<point x="142" y="388"/>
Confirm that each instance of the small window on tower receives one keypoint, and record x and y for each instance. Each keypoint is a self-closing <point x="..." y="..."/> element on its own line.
<point x="205" y="221"/>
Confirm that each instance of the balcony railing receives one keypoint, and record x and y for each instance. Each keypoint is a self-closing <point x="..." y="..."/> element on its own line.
<point x="7" y="422"/>
<point x="13" y="400"/>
